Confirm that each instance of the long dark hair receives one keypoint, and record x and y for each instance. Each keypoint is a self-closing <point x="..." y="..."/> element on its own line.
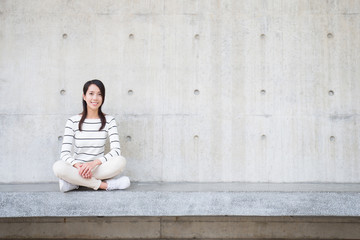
<point x="101" y="86"/>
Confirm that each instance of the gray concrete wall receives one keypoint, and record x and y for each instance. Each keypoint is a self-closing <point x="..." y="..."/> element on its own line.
<point x="180" y="228"/>
<point x="256" y="91"/>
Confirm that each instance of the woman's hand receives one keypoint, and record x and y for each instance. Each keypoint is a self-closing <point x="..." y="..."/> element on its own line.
<point x="85" y="169"/>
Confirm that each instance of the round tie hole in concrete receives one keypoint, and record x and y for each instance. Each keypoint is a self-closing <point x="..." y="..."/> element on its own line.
<point x="262" y="36"/>
<point x="262" y="92"/>
<point x="65" y="36"/>
<point x="263" y="137"/>
<point x="330" y="35"/>
<point x="196" y="137"/>
<point x="332" y="139"/>
<point x="331" y="93"/>
<point x="130" y="92"/>
<point x="62" y="92"/>
<point x="60" y="138"/>
<point x="128" y="138"/>
<point x="131" y="36"/>
<point x="197" y="36"/>
<point x="196" y="92"/>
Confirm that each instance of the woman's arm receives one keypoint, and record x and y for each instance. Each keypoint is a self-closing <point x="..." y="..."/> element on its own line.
<point x="67" y="144"/>
<point x="114" y="142"/>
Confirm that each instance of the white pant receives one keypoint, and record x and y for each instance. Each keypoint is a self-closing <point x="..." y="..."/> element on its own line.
<point x="109" y="169"/>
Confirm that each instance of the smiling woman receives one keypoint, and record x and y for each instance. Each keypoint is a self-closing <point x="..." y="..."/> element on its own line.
<point x="93" y="98"/>
<point x="85" y="135"/>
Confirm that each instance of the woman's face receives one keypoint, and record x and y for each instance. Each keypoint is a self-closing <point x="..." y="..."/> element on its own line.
<point x="93" y="97"/>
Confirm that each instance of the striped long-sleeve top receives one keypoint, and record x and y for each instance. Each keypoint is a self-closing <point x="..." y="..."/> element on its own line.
<point x="89" y="144"/>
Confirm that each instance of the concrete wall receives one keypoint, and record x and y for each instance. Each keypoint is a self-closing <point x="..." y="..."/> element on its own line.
<point x="257" y="91"/>
<point x="180" y="228"/>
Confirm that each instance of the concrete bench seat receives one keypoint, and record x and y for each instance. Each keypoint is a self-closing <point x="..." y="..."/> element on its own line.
<point x="182" y="199"/>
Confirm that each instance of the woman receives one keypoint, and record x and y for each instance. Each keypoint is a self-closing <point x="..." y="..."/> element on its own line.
<point x="86" y="135"/>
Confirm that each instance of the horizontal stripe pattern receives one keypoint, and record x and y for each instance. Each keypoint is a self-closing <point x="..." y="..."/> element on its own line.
<point x="89" y="144"/>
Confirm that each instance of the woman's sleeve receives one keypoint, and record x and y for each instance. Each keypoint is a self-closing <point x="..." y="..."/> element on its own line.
<point x="68" y="141"/>
<point x="114" y="142"/>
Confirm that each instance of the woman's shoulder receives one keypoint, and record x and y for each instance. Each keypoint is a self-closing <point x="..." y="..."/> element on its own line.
<point x="75" y="118"/>
<point x="109" y="118"/>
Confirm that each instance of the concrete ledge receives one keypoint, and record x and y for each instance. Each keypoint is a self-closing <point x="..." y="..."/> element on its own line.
<point x="183" y="199"/>
<point x="166" y="228"/>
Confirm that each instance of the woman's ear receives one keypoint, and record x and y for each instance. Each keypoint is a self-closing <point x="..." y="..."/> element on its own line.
<point x="84" y="97"/>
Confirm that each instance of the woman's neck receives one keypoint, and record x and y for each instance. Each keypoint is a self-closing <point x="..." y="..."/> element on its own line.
<point x="92" y="114"/>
